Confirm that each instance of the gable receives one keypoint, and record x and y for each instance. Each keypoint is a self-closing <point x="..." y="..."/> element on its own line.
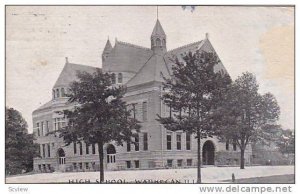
<point x="69" y="73"/>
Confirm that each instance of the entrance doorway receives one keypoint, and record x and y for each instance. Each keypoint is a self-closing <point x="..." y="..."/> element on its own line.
<point x="61" y="159"/>
<point x="208" y="153"/>
<point x="111" y="157"/>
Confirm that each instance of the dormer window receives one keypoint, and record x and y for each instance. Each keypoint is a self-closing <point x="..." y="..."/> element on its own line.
<point x="120" y="78"/>
<point x="113" y="78"/>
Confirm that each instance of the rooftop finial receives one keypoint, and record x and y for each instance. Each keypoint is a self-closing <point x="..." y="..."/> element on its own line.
<point x="157" y="12"/>
<point x="67" y="61"/>
<point x="206" y="35"/>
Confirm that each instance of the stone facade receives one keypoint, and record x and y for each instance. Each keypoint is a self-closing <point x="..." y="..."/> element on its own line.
<point x="142" y="71"/>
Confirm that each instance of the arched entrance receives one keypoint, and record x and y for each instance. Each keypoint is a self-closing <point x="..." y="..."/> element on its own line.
<point x="111" y="157"/>
<point x="61" y="159"/>
<point x="208" y="153"/>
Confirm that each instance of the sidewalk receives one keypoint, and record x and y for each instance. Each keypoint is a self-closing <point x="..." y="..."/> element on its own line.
<point x="209" y="175"/>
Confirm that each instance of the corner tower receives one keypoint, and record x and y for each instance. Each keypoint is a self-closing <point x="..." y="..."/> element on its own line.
<point x="158" y="39"/>
<point x="107" y="49"/>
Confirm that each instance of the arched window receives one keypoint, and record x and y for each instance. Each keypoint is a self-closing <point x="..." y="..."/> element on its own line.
<point x="53" y="93"/>
<point x="164" y="42"/>
<point x="120" y="78"/>
<point x="63" y="92"/>
<point x="158" y="43"/>
<point x="57" y="93"/>
<point x="113" y="78"/>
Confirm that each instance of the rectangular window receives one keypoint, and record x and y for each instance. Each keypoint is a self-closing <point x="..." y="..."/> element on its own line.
<point x="87" y="165"/>
<point x="42" y="128"/>
<point x="189" y="162"/>
<point x="170" y="163"/>
<point x="179" y="163"/>
<point x="48" y="146"/>
<point x="145" y="140"/>
<point x="188" y="141"/>
<point x="93" y="149"/>
<point x="58" y="124"/>
<point x="227" y="145"/>
<point x="178" y="140"/>
<point x="38" y="129"/>
<point x="43" y="152"/>
<point x="169" y="141"/>
<point x="134" y="110"/>
<point x="80" y="165"/>
<point x="47" y="126"/>
<point x="49" y="167"/>
<point x="137" y="143"/>
<point x="137" y="163"/>
<point x="87" y="148"/>
<point x="74" y="166"/>
<point x="75" y="148"/>
<point x="128" y="147"/>
<point x="39" y="150"/>
<point x="55" y="124"/>
<point x="128" y="164"/>
<point x="80" y="148"/>
<point x="145" y="111"/>
<point x="62" y="92"/>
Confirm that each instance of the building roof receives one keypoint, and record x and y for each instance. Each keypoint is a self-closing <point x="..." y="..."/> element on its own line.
<point x="153" y="70"/>
<point x="203" y="45"/>
<point x="44" y="106"/>
<point x="126" y="57"/>
<point x="107" y="47"/>
<point x="158" y="30"/>
<point x="69" y="73"/>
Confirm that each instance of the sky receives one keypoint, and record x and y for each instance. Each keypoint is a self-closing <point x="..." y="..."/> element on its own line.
<point x="259" y="40"/>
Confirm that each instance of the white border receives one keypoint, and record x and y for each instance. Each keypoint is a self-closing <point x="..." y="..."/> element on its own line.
<point x="132" y="189"/>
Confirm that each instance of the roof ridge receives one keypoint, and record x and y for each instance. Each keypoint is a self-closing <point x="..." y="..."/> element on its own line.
<point x="82" y="65"/>
<point x="185" y="46"/>
<point x="133" y="45"/>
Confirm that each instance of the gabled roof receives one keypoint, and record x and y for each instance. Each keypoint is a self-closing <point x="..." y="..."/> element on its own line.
<point x="158" y="30"/>
<point x="153" y="70"/>
<point x="204" y="45"/>
<point x="126" y="57"/>
<point x="69" y="73"/>
<point x="192" y="47"/>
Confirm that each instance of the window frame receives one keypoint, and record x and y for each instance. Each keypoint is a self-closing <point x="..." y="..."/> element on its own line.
<point x="169" y="141"/>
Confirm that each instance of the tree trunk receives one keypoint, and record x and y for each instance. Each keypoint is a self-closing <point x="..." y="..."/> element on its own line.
<point x="101" y="160"/>
<point x="242" y="166"/>
<point x="199" y="157"/>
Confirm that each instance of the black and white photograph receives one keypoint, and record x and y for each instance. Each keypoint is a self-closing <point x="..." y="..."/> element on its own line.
<point x="156" y="94"/>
